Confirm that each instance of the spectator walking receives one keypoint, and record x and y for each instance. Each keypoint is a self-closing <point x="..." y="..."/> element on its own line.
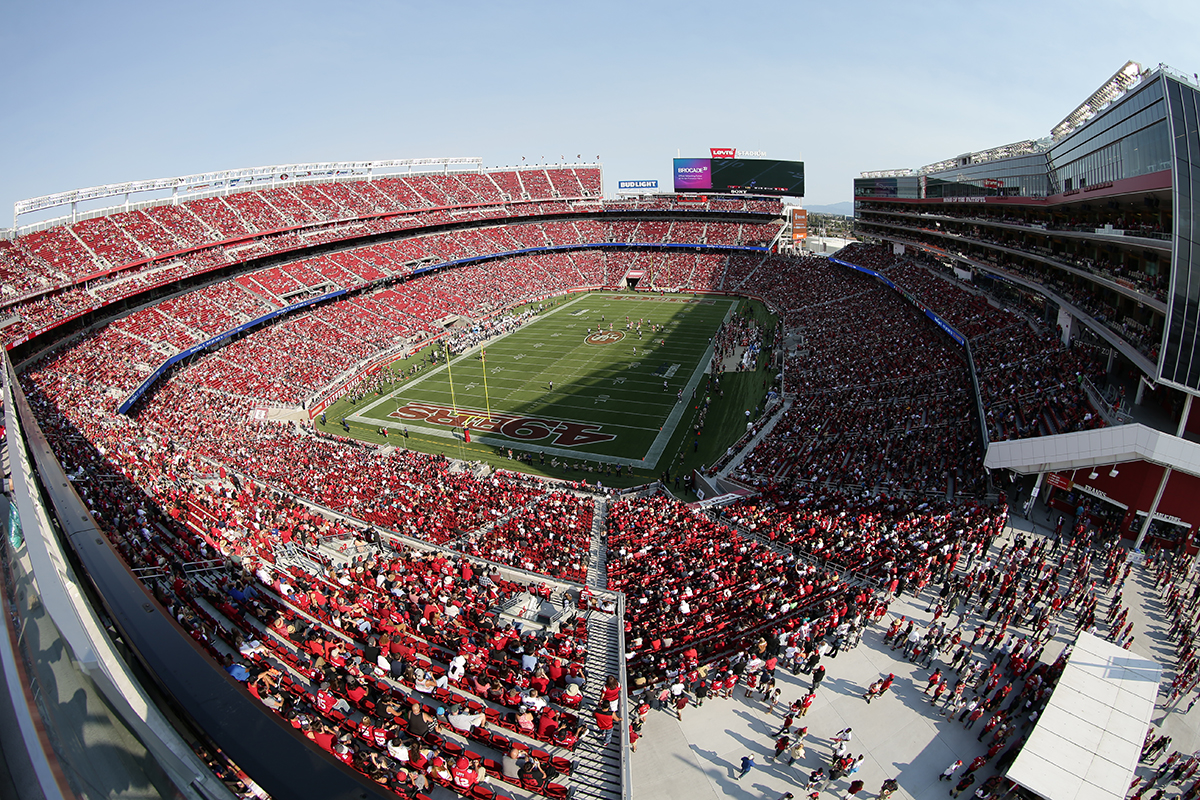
<point x="948" y="774"/>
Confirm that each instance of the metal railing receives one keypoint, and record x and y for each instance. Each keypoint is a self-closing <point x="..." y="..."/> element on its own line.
<point x="1110" y="414"/>
<point x="626" y="771"/>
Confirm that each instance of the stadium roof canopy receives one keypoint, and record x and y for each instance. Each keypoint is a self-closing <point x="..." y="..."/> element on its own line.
<point x="1087" y="742"/>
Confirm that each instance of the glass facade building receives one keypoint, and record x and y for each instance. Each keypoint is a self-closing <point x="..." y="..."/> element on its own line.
<point x="1126" y="141"/>
<point x="1093" y="208"/>
<point x="1180" y="363"/>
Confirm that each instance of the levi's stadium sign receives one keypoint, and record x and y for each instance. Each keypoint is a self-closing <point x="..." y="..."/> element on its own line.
<point x="637" y="184"/>
<point x="733" y="152"/>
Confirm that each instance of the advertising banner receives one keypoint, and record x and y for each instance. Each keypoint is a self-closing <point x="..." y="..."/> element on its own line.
<point x="693" y="174"/>
<point x="799" y="224"/>
<point x="723" y="152"/>
<point x="637" y="184"/>
<point x="1059" y="481"/>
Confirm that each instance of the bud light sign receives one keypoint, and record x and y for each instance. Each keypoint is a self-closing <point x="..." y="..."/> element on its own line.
<point x="637" y="184"/>
<point x="693" y="174"/>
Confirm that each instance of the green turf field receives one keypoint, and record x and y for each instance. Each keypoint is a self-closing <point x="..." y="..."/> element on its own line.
<point x="561" y="386"/>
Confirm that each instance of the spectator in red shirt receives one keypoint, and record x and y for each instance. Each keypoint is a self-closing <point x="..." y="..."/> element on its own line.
<point x="604" y="721"/>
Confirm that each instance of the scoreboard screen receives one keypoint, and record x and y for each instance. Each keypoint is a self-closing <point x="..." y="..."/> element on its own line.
<point x="740" y="176"/>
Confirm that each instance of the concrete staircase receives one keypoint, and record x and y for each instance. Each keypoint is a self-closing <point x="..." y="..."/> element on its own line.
<point x="597" y="573"/>
<point x="599" y="767"/>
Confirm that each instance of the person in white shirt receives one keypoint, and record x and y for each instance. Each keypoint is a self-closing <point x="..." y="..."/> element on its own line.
<point x="458" y="668"/>
<point x="534" y="701"/>
<point x="424" y="682"/>
<point x="398" y="750"/>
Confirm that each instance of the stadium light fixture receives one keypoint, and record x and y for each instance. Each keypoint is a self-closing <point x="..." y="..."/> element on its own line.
<point x="1122" y="81"/>
<point x="1112" y="473"/>
<point x="1094" y="475"/>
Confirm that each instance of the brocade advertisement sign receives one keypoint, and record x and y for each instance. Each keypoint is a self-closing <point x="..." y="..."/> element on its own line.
<point x="693" y="174"/>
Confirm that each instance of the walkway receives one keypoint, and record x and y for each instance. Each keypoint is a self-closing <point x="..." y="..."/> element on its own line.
<point x="901" y="734"/>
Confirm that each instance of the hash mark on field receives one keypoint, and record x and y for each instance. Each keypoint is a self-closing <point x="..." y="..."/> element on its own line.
<point x="518" y="356"/>
<point x="539" y="344"/>
<point x="634" y="364"/>
<point x="497" y="369"/>
<point x="470" y="386"/>
<point x="553" y="335"/>
<point x="619" y="380"/>
<point x="601" y="399"/>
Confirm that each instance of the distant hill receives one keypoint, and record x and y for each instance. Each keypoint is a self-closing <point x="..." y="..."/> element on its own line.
<point x="846" y="209"/>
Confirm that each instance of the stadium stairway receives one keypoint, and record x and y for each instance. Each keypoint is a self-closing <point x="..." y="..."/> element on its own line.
<point x="289" y="555"/>
<point x="597" y="773"/>
<point x="597" y="574"/>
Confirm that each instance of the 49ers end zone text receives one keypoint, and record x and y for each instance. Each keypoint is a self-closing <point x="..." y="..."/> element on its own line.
<point x="525" y="429"/>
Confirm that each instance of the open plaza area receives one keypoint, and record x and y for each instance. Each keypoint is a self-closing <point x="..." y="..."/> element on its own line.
<point x="902" y="735"/>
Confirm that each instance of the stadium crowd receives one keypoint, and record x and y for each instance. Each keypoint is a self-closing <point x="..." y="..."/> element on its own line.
<point x="361" y="654"/>
<point x="880" y="399"/>
<point x="1030" y="384"/>
<point x="71" y="268"/>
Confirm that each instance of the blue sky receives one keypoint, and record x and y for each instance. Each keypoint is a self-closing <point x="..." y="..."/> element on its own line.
<point x="100" y="92"/>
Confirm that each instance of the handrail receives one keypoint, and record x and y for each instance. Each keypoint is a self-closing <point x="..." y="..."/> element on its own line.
<point x="1110" y="414"/>
<point x="622" y="676"/>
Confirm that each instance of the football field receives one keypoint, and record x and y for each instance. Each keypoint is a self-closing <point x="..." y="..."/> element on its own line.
<point x="576" y="382"/>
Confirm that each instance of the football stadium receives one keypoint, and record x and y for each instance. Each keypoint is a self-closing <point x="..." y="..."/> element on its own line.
<point x="425" y="478"/>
